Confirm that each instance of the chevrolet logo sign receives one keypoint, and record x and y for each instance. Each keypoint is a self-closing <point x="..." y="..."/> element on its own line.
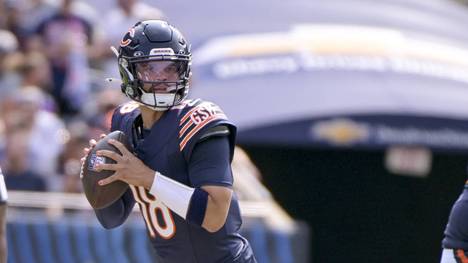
<point x="340" y="131"/>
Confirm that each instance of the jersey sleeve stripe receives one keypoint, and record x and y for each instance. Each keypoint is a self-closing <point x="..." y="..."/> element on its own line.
<point x="185" y="128"/>
<point x="199" y="127"/>
<point x="187" y="115"/>
<point x="190" y="112"/>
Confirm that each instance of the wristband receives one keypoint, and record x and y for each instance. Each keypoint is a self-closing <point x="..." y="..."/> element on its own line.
<point x="187" y="202"/>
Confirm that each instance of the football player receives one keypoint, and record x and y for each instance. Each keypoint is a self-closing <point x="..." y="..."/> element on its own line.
<point x="455" y="242"/>
<point x="3" y="200"/>
<point x="179" y="173"/>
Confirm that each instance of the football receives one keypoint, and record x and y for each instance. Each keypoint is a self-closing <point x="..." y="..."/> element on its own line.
<point x="102" y="196"/>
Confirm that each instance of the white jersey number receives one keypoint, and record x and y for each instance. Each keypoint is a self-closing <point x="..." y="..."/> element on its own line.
<point x="150" y="206"/>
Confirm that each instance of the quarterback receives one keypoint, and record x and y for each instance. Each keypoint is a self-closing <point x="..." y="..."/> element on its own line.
<point x="179" y="173"/>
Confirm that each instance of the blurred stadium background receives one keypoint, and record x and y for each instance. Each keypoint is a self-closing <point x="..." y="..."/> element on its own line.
<point x="353" y="115"/>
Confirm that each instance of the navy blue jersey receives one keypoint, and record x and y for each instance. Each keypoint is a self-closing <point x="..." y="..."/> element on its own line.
<point x="456" y="231"/>
<point x="174" y="148"/>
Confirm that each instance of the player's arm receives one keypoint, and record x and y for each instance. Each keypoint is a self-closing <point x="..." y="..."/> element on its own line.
<point x="219" y="200"/>
<point x="116" y="214"/>
<point x="206" y="204"/>
<point x="210" y="167"/>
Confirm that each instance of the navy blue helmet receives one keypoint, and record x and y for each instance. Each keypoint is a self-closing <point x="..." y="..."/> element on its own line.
<point x="154" y="63"/>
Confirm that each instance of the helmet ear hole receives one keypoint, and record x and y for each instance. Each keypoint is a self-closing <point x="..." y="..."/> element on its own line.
<point x="128" y="82"/>
<point x="130" y="91"/>
<point x="126" y="75"/>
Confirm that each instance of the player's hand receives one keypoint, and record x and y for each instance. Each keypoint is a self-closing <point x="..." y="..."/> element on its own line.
<point x="86" y="150"/>
<point x="128" y="167"/>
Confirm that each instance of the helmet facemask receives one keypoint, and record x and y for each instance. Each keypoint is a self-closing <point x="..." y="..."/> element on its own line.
<point x="158" y="82"/>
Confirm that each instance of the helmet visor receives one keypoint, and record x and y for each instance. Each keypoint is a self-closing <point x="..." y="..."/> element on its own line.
<point x="160" y="76"/>
<point x="159" y="70"/>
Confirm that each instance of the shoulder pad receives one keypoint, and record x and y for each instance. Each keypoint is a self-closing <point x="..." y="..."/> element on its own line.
<point x="128" y="107"/>
<point x="203" y="114"/>
<point x="123" y="113"/>
<point x="186" y="104"/>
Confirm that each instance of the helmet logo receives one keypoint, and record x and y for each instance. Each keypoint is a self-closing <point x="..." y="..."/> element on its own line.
<point x="127" y="39"/>
<point x="182" y="41"/>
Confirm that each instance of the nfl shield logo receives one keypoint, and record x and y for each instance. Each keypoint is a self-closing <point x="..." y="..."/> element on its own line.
<point x="95" y="160"/>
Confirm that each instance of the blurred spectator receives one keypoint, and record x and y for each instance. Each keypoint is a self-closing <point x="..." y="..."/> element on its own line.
<point x="100" y="114"/>
<point x="24" y="17"/>
<point x="122" y="17"/>
<point x="125" y="15"/>
<point x="13" y="21"/>
<point x="70" y="165"/>
<point x="9" y="42"/>
<point x="9" y="60"/>
<point x="35" y="73"/>
<point x="42" y="133"/>
<point x="85" y="9"/>
<point x="36" y="11"/>
<point x="2" y="14"/>
<point x="66" y="37"/>
<point x="18" y="175"/>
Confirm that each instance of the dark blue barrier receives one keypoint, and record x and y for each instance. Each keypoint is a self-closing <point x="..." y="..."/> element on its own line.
<point x="41" y="234"/>
<point x="78" y="238"/>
